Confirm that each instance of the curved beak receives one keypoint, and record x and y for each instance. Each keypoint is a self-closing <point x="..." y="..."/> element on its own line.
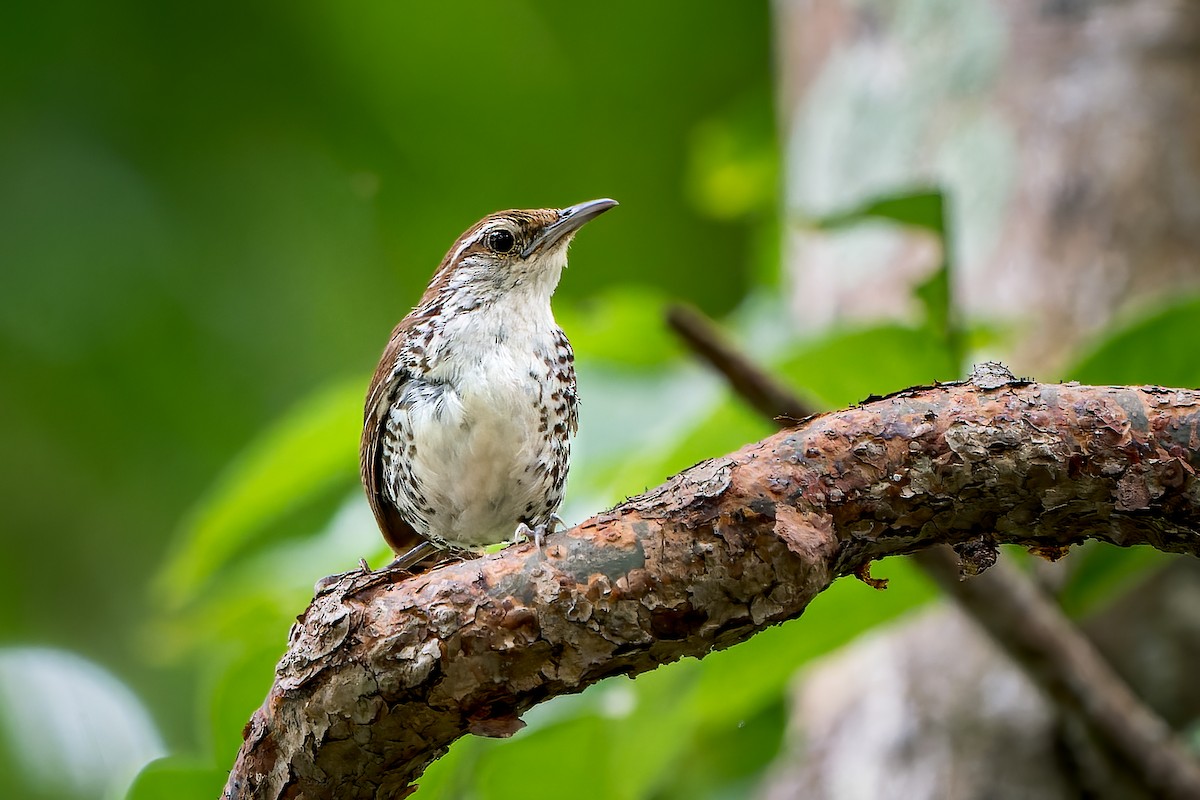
<point x="569" y="220"/>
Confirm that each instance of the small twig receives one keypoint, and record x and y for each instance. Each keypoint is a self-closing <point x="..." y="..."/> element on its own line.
<point x="1035" y="632"/>
<point x="1024" y="621"/>
<point x="764" y="394"/>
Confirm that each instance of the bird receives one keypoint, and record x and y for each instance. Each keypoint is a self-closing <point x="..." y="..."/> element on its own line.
<point x="468" y="418"/>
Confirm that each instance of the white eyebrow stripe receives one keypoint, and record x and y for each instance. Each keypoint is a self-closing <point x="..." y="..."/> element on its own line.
<point x="458" y="250"/>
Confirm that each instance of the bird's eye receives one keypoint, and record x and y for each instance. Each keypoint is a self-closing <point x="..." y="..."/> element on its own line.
<point x="501" y="241"/>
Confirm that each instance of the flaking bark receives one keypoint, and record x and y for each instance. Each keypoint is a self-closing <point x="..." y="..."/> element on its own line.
<point x="1027" y="623"/>
<point x="384" y="671"/>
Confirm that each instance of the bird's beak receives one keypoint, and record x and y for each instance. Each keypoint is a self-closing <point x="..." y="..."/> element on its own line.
<point x="569" y="220"/>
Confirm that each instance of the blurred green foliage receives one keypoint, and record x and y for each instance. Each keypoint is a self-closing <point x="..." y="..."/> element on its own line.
<point x="208" y="212"/>
<point x="210" y="217"/>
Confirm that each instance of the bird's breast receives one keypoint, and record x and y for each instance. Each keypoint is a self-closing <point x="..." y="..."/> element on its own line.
<point x="487" y="428"/>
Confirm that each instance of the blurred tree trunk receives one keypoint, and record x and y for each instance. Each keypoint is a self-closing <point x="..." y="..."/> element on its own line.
<point x="951" y="717"/>
<point x="1067" y="136"/>
<point x="1067" y="133"/>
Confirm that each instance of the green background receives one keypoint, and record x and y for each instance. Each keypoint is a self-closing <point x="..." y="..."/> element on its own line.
<point x="210" y="217"/>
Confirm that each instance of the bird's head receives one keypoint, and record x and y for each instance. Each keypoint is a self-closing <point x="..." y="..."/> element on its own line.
<point x="516" y="248"/>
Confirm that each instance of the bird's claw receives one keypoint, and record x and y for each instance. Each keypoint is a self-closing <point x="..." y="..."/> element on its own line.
<point x="329" y="581"/>
<point x="538" y="533"/>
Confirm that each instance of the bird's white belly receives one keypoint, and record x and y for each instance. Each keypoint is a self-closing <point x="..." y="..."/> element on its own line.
<point x="475" y="457"/>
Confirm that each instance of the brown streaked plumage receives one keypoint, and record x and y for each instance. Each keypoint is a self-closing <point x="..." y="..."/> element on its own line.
<point x="468" y="416"/>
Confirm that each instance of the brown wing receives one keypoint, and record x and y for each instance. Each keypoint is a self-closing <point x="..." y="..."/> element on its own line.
<point x="385" y="383"/>
<point x="566" y="360"/>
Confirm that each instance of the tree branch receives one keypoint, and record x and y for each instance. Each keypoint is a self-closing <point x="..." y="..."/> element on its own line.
<point x="384" y="671"/>
<point x="1014" y="610"/>
<point x="1036" y="633"/>
<point x="766" y="396"/>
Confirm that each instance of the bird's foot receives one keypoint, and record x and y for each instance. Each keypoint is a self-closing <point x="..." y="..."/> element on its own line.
<point x="524" y="533"/>
<point x="416" y="555"/>
<point x="415" y="560"/>
<point x="538" y="533"/>
<point x="324" y="584"/>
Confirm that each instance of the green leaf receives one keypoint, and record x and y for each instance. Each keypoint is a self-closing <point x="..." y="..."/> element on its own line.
<point x="177" y="778"/>
<point x="626" y="736"/>
<point x="729" y="426"/>
<point x="560" y="759"/>
<point x="452" y="776"/>
<point x="1100" y="572"/>
<point x="1158" y="348"/>
<point x="846" y="367"/>
<point x="738" y="682"/>
<point x="311" y="449"/>
<point x="924" y="210"/>
<point x="620" y="325"/>
<point x="733" y="164"/>
<point x="237" y="692"/>
<point x="919" y="209"/>
<point x="254" y="599"/>
<point x="729" y="762"/>
<point x="934" y="294"/>
<point x="650" y="727"/>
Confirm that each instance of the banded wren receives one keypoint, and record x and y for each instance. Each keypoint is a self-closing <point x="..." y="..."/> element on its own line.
<point x="468" y="418"/>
